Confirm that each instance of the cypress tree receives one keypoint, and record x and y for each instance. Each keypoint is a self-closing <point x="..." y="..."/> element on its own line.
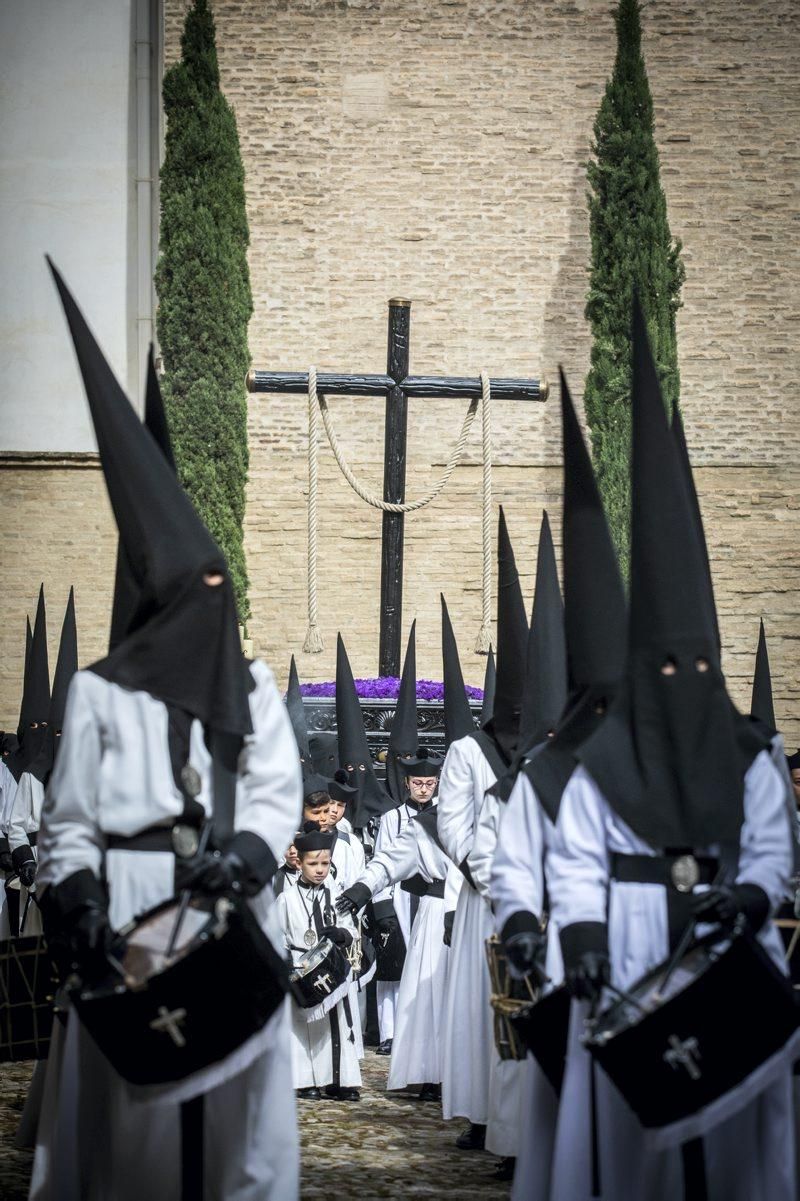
<point x="632" y="247"/>
<point x="203" y="286"/>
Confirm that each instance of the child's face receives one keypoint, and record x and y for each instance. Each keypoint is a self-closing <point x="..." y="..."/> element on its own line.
<point x="291" y="857"/>
<point x="336" y="812"/>
<point x="315" y="865"/>
<point x="321" y="814"/>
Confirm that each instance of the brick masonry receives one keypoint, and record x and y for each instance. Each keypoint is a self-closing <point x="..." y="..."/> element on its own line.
<point x="435" y="150"/>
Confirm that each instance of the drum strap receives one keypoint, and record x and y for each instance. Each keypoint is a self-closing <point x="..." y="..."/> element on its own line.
<point x="224" y="763"/>
<point x="192" y="1148"/>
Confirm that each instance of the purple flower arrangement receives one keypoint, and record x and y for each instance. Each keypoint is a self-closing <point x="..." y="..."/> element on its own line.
<point x="386" y="688"/>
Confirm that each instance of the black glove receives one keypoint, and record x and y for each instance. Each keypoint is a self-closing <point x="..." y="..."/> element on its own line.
<point x="337" y="935"/>
<point x="91" y="942"/>
<point x="587" y="967"/>
<point x="353" y="898"/>
<point x="449" y="918"/>
<point x="723" y="904"/>
<point x="27" y="873"/>
<point x="214" y="873"/>
<point x="525" y="953"/>
<point x="6" y="863"/>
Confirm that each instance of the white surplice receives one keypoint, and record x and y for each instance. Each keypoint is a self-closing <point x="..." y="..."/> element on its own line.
<point x="419" y="1017"/>
<point x="749" y="1155"/>
<point x="324" y="1051"/>
<point x="24" y="819"/>
<point x="8" y="790"/>
<point x="391" y="826"/>
<point x="99" y="1137"/>
<point x="468" y="1047"/>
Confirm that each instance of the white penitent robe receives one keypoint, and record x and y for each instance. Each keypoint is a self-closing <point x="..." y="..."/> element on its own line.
<point x="391" y="826"/>
<point x="98" y="1137"/>
<point x="347" y="860"/>
<point x="503" y="1130"/>
<point x="419" y="1016"/>
<point x="24" y="819"/>
<point x="517" y="886"/>
<point x="324" y="1051"/>
<point x="8" y="789"/>
<point x="749" y="1155"/>
<point x="468" y="1046"/>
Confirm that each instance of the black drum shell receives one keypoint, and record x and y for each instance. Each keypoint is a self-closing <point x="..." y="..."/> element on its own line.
<point x="229" y="987"/>
<point x="303" y="986"/>
<point x="739" y="1008"/>
<point x="543" y="1027"/>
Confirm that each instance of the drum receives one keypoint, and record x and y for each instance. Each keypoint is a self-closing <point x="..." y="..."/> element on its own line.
<point x="681" y="1052"/>
<point x="320" y="978"/>
<point x="166" y="1016"/>
<point x="27" y="989"/>
<point x="508" y="996"/>
<point x="543" y="1027"/>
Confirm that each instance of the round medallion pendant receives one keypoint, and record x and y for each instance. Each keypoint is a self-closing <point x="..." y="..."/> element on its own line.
<point x="310" y="938"/>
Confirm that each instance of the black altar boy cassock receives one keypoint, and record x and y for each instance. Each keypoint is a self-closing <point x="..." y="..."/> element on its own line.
<point x="354" y="754"/>
<point x="595" y="616"/>
<point x="297" y="716"/>
<point x="403" y="737"/>
<point x="457" y="712"/>
<point x="671" y="755"/>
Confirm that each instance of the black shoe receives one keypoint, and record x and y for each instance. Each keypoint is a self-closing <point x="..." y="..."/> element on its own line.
<point x="504" y="1168"/>
<point x="335" y="1092"/>
<point x="430" y="1092"/>
<point x="473" y="1138"/>
<point x="309" y="1094"/>
<point x="385" y="1048"/>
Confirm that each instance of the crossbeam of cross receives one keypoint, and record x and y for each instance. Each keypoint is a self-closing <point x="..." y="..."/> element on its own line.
<point x="398" y="387"/>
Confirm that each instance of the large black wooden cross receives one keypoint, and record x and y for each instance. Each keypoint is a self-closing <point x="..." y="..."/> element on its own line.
<point x="397" y="386"/>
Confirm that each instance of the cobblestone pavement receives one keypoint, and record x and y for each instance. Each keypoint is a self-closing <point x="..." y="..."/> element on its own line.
<point x="386" y="1146"/>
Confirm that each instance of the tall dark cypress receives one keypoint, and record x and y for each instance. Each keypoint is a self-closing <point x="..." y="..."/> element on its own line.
<point x="632" y="248"/>
<point x="203" y="285"/>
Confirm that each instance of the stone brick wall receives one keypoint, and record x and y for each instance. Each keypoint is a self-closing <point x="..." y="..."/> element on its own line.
<point x="434" y="149"/>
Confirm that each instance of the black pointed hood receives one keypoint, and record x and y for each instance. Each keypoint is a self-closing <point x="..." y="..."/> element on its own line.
<point x="489" y="685"/>
<point x="127" y="593"/>
<point x="13" y="753"/>
<point x="595" y="615"/>
<point x="66" y="664"/>
<point x="458" y="720"/>
<point x="34" y="753"/>
<point x="545" y="693"/>
<point x="403" y="737"/>
<point x="761" y="704"/>
<point x="324" y="750"/>
<point x="182" y="645"/>
<point x="297" y="716"/>
<point x="354" y="753"/>
<point x="671" y="754"/>
<point x="679" y="434"/>
<point x="512" y="637"/>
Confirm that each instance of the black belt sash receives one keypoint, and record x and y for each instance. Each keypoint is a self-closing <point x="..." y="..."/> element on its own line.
<point x="666" y="870"/>
<point x="154" y="838"/>
<point x="418" y="886"/>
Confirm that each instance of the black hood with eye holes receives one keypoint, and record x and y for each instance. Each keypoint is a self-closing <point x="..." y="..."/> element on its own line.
<point x="182" y="643"/>
<point x="671" y="754"/>
<point x="354" y="755"/>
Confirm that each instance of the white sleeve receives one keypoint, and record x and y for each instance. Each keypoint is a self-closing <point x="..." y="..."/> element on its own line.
<point x="70" y="838"/>
<point x="481" y="857"/>
<point x="766" y="853"/>
<point x="455" y="811"/>
<point x="387" y="831"/>
<point x="9" y="792"/>
<point x="397" y="861"/>
<point x="453" y="883"/>
<point x="577" y="862"/>
<point x="269" y="799"/>
<point x="20" y="819"/>
<point x="517" y="879"/>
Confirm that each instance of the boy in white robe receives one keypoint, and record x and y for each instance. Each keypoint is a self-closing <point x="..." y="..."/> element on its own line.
<point x="324" y="1050"/>
<point x="415" y="862"/>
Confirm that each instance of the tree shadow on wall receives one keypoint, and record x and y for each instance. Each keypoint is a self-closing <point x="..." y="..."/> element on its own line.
<point x="565" y="331"/>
